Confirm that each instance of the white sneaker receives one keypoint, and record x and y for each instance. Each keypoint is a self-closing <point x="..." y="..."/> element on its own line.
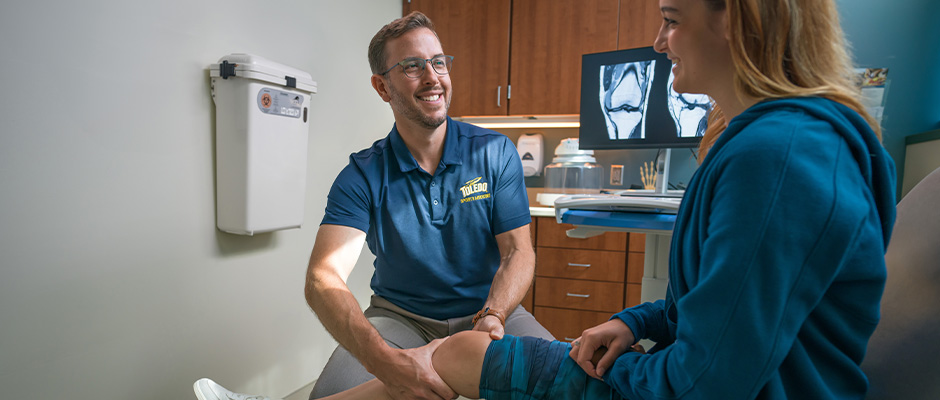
<point x="207" y="389"/>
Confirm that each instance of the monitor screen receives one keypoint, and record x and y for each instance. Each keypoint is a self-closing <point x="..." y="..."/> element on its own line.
<point x="627" y="102"/>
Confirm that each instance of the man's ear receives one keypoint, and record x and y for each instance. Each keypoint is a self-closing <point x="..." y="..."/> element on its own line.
<point x="381" y="87"/>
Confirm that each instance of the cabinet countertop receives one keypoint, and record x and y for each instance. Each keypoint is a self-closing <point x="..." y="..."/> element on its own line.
<point x="542" y="211"/>
<point x="537" y="209"/>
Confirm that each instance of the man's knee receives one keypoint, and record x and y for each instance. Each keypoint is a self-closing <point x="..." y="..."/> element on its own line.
<point x="343" y="371"/>
<point x="523" y="323"/>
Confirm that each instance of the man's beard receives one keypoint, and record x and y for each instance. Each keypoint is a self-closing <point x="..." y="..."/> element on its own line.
<point x="412" y="113"/>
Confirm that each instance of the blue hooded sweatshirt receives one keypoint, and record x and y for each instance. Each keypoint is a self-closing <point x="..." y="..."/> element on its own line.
<point x="776" y="268"/>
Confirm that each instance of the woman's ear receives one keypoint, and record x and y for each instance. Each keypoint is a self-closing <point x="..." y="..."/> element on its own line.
<point x="724" y="24"/>
<point x="381" y="87"/>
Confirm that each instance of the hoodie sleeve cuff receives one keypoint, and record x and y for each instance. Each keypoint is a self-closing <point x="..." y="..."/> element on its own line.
<point x="633" y="321"/>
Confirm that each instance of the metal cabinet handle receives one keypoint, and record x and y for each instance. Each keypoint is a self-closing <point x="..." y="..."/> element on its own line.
<point x="579" y="265"/>
<point x="570" y="339"/>
<point x="499" y="95"/>
<point x="583" y="296"/>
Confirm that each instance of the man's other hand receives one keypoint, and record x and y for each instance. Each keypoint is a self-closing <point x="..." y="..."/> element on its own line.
<point x="409" y="374"/>
<point x="492" y="325"/>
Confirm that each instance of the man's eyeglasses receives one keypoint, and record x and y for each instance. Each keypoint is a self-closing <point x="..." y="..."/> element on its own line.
<point x="413" y="67"/>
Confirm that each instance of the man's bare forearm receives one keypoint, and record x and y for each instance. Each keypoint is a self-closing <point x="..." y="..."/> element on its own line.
<point x="512" y="280"/>
<point x="339" y="312"/>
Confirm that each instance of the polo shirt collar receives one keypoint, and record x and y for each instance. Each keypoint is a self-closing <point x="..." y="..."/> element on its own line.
<point x="407" y="162"/>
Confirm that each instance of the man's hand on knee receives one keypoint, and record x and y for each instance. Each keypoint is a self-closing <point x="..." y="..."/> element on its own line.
<point x="409" y="374"/>
<point x="490" y="324"/>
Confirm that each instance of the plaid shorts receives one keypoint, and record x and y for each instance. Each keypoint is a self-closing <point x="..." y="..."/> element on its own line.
<point x="527" y="368"/>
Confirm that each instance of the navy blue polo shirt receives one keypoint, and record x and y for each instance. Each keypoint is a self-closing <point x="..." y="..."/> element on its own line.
<point x="433" y="236"/>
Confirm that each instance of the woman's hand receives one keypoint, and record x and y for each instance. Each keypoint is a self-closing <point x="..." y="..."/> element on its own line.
<point x="613" y="335"/>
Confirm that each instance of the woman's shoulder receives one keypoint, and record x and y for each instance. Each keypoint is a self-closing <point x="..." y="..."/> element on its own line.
<point x="783" y="123"/>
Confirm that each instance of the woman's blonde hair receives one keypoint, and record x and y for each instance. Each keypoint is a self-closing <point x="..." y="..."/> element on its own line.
<point x="786" y="48"/>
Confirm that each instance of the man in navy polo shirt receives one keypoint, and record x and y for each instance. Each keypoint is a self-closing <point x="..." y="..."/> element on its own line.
<point x="442" y="205"/>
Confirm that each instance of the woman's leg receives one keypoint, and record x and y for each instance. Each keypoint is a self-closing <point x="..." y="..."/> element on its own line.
<point x="459" y="361"/>
<point x="373" y="389"/>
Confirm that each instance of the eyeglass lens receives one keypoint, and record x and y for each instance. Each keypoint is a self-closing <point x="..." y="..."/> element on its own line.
<point x="414" y="67"/>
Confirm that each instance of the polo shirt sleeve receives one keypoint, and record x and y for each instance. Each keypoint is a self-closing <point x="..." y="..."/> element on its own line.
<point x="348" y="203"/>
<point x="511" y="203"/>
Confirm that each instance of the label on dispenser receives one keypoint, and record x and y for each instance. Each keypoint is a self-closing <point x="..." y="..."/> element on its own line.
<point x="277" y="102"/>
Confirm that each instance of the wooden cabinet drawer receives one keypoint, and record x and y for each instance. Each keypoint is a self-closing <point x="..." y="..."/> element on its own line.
<point x="595" y="265"/>
<point x="552" y="234"/>
<point x="637" y="243"/>
<point x="633" y="294"/>
<point x="567" y="325"/>
<point x="578" y="294"/>
<point x="635" y="267"/>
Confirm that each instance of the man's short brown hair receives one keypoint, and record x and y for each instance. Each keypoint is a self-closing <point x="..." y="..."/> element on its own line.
<point x="377" y="58"/>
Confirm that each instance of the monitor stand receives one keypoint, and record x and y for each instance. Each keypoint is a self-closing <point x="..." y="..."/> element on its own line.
<point x="661" y="188"/>
<point x="662" y="171"/>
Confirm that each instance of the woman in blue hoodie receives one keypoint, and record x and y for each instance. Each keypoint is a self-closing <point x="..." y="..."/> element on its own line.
<point x="777" y="260"/>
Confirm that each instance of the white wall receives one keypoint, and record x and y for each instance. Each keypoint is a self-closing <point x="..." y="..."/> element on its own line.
<point x="114" y="281"/>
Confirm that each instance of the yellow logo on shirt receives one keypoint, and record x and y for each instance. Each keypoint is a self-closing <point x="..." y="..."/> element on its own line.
<point x="474" y="190"/>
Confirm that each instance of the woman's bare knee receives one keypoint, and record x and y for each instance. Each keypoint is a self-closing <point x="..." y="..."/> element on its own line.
<point x="459" y="361"/>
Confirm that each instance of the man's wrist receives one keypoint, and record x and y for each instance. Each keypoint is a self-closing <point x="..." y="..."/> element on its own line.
<point x="489" y="311"/>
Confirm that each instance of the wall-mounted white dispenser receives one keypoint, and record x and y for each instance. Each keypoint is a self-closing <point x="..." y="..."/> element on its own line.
<point x="261" y="123"/>
<point x="530" y="147"/>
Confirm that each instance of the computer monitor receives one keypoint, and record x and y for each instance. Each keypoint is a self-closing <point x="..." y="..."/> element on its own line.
<point x="627" y="102"/>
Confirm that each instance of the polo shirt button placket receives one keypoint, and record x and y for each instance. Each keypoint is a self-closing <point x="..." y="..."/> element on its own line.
<point x="435" y="194"/>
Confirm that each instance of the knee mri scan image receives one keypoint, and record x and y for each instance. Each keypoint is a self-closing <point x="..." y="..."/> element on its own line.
<point x="624" y="97"/>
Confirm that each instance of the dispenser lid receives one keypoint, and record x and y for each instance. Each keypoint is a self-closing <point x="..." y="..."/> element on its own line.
<point x="256" y="67"/>
<point x="568" y="151"/>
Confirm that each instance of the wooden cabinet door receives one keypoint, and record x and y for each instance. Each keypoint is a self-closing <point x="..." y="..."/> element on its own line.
<point x="548" y="39"/>
<point x="639" y="23"/>
<point x="476" y="33"/>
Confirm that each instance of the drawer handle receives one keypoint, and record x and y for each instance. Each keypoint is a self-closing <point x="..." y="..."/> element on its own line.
<point x="579" y="265"/>
<point x="583" y="296"/>
<point x="570" y="339"/>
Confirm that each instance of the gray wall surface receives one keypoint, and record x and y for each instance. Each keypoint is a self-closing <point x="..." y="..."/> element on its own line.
<point x="114" y="281"/>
